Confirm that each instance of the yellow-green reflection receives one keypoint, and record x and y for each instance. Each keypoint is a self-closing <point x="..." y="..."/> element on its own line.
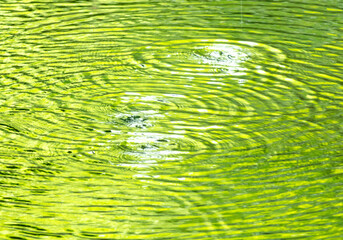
<point x="170" y="120"/>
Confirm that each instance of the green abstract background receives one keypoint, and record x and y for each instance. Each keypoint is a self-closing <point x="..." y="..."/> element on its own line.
<point x="173" y="119"/>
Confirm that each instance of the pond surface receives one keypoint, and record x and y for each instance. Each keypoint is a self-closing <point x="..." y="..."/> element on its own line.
<point x="173" y="119"/>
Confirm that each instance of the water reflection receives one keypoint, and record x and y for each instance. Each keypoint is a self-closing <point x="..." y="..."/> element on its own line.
<point x="170" y="120"/>
<point x="222" y="57"/>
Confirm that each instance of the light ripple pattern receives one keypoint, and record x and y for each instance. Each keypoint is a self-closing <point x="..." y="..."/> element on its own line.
<point x="171" y="119"/>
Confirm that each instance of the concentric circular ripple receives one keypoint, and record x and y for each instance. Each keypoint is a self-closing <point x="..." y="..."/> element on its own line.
<point x="171" y="119"/>
<point x="207" y="57"/>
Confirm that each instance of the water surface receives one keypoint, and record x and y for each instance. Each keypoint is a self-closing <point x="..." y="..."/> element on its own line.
<point x="171" y="119"/>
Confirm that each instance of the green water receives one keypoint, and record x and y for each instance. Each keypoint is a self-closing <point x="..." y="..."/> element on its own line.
<point x="173" y="119"/>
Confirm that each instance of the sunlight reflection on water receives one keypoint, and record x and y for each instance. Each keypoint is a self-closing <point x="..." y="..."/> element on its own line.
<point x="223" y="56"/>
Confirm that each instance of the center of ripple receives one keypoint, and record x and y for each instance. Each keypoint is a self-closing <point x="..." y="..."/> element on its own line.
<point x="220" y="58"/>
<point x="206" y="57"/>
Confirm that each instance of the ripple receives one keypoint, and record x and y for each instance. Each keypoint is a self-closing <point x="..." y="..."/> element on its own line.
<point x="206" y="57"/>
<point x="171" y="119"/>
